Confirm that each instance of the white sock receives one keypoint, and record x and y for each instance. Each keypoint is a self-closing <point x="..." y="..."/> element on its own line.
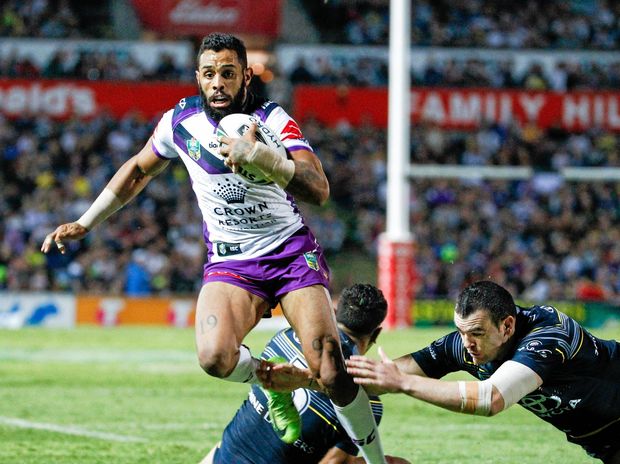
<point x="357" y="419"/>
<point x="245" y="370"/>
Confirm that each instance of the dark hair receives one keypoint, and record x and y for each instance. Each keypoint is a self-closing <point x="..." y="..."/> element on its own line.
<point x="361" y="308"/>
<point x="486" y="295"/>
<point x="217" y="41"/>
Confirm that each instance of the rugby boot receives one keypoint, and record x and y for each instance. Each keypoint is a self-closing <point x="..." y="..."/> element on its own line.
<point x="285" y="418"/>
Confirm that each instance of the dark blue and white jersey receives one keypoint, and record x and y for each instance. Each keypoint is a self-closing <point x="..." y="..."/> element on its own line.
<point x="242" y="218"/>
<point x="580" y="393"/>
<point x="249" y="438"/>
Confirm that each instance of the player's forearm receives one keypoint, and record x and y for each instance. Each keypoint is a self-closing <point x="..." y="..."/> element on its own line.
<point x="440" y="393"/>
<point x="308" y="184"/>
<point x="479" y="398"/>
<point x="128" y="181"/>
<point x="131" y="179"/>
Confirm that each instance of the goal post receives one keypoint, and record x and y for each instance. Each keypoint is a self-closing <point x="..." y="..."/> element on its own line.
<point x="395" y="253"/>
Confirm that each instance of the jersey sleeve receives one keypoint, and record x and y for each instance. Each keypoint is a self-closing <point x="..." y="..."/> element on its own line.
<point x="163" y="140"/>
<point x="441" y="357"/>
<point x="287" y="129"/>
<point x="542" y="351"/>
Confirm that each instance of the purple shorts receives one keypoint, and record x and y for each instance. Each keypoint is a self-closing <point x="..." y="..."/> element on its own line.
<point x="297" y="263"/>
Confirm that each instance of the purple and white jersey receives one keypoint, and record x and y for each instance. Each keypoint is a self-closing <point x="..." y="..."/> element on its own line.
<point x="242" y="219"/>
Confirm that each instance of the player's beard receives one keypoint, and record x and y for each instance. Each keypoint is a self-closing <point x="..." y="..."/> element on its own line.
<point x="236" y="105"/>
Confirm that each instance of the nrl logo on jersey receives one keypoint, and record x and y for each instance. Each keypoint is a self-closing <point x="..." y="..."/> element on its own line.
<point x="193" y="149"/>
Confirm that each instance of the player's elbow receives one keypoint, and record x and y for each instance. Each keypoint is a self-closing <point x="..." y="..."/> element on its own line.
<point x="323" y="195"/>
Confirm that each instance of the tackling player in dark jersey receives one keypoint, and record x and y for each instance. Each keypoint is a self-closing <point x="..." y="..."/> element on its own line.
<point x="537" y="357"/>
<point x="250" y="439"/>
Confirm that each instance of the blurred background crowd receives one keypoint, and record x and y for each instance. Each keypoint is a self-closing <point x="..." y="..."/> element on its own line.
<point x="543" y="237"/>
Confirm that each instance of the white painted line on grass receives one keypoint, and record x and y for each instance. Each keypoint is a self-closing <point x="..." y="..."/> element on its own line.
<point x="68" y="430"/>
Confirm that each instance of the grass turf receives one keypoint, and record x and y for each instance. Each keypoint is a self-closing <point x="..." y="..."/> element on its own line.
<point x="137" y="395"/>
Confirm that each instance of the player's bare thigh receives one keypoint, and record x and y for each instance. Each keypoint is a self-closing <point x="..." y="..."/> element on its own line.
<point x="225" y="314"/>
<point x="310" y="312"/>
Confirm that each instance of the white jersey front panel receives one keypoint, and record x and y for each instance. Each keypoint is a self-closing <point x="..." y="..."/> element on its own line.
<point x="243" y="219"/>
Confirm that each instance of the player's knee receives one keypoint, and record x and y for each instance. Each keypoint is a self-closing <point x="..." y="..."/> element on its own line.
<point x="216" y="362"/>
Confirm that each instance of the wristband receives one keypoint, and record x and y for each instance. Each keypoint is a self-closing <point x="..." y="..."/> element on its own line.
<point x="106" y="203"/>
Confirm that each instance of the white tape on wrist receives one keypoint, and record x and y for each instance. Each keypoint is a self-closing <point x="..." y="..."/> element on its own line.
<point x="106" y="203"/>
<point x="476" y="397"/>
<point x="277" y="168"/>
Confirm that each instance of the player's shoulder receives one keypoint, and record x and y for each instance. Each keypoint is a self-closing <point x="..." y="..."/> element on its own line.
<point x="547" y="331"/>
<point x="185" y="108"/>
<point x="545" y="318"/>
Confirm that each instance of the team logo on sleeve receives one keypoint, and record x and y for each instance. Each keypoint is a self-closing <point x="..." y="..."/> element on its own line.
<point x="311" y="260"/>
<point x="291" y="131"/>
<point x="193" y="149"/>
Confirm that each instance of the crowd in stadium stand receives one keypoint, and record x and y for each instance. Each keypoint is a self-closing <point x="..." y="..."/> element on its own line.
<point x="363" y="71"/>
<point x="542" y="238"/>
<point x="572" y="24"/>
<point x="467" y="72"/>
<point x="52" y="19"/>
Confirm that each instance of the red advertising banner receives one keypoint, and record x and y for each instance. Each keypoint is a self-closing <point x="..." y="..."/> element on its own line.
<point x="200" y="17"/>
<point x="462" y="108"/>
<point x="65" y="99"/>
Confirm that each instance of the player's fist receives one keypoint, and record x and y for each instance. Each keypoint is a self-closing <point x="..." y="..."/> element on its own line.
<point x="237" y="151"/>
<point x="69" y="231"/>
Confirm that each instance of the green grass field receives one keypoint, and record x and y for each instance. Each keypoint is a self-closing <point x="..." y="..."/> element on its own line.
<point x="137" y="395"/>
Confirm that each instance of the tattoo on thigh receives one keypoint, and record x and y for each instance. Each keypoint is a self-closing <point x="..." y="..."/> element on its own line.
<point x="333" y="349"/>
<point x="317" y="345"/>
<point x="211" y="322"/>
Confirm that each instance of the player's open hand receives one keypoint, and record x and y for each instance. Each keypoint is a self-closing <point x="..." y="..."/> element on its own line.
<point x="283" y="377"/>
<point x="236" y="151"/>
<point x="377" y="377"/>
<point x="69" y="231"/>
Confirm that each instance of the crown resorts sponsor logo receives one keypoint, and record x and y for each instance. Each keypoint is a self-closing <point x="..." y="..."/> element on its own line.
<point x="231" y="192"/>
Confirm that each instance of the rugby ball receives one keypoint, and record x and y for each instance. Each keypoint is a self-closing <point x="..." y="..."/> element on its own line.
<point x="235" y="125"/>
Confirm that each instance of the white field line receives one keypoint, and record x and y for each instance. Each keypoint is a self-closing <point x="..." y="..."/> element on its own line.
<point x="68" y="430"/>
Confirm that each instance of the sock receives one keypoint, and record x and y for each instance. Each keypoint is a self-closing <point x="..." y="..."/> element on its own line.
<point x="245" y="370"/>
<point x="359" y="422"/>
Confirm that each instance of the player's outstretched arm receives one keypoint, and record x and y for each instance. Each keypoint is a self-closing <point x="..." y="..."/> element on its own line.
<point x="509" y="384"/>
<point x="128" y="181"/>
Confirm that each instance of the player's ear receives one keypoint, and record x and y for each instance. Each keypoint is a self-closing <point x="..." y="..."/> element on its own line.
<point x="375" y="335"/>
<point x="247" y="75"/>
<point x="509" y="325"/>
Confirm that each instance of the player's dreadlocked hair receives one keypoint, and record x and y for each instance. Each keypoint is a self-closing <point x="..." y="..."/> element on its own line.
<point x="361" y="308"/>
<point x="218" y="42"/>
<point x="486" y="295"/>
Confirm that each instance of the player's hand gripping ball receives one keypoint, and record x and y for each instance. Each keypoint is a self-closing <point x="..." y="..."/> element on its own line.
<point x="236" y="125"/>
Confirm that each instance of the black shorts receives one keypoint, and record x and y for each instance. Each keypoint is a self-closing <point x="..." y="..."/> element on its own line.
<point x="603" y="444"/>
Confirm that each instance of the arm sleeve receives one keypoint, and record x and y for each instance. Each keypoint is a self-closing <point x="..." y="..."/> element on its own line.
<point x="441" y="357"/>
<point x="542" y="351"/>
<point x="163" y="139"/>
<point x="287" y="129"/>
